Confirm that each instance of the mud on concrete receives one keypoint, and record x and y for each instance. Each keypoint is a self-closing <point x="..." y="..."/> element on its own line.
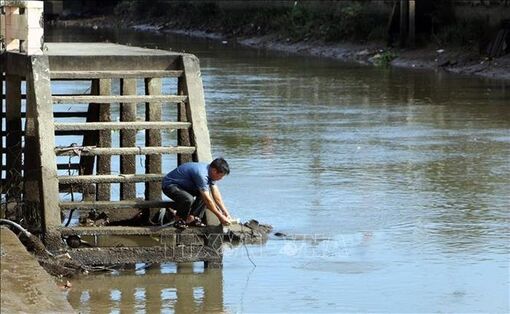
<point x="250" y="232"/>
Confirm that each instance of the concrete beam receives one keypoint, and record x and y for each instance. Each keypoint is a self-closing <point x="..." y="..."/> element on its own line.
<point x="131" y="255"/>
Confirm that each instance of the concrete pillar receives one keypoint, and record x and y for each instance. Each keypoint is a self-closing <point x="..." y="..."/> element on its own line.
<point x="40" y="137"/>
<point x="105" y="140"/>
<point x="128" y="139"/>
<point x="195" y="109"/>
<point x="183" y="136"/>
<point x="90" y="139"/>
<point x="404" y="22"/>
<point x="13" y="138"/>
<point x="2" y="112"/>
<point x="412" y="24"/>
<point x="153" y="138"/>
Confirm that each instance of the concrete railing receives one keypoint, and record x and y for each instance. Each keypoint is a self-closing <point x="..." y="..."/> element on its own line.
<point x="22" y="26"/>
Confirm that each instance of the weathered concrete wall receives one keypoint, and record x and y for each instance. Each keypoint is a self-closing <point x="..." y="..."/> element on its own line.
<point x="25" y="285"/>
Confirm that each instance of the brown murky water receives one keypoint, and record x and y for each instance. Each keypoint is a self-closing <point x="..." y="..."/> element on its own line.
<point x="395" y="182"/>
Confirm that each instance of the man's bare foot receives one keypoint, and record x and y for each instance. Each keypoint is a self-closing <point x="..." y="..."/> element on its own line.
<point x="190" y="218"/>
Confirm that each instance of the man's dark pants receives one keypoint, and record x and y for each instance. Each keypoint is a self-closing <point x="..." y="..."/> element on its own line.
<point x="186" y="203"/>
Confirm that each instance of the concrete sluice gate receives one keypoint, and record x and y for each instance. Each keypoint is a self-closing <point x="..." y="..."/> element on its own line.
<point x="129" y="91"/>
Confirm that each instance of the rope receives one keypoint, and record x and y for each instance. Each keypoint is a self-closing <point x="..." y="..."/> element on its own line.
<point x="71" y="188"/>
<point x="246" y="248"/>
<point x="140" y="156"/>
<point x="77" y="150"/>
<point x="248" y="254"/>
<point x="246" y="288"/>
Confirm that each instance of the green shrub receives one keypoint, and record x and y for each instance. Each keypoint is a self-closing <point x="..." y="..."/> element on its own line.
<point x="384" y="58"/>
<point x="355" y="21"/>
<point x="463" y="33"/>
<point x="125" y="8"/>
<point x="297" y="23"/>
<point x="158" y="8"/>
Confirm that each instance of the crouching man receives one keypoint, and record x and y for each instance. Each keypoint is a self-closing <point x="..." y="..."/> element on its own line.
<point x="192" y="186"/>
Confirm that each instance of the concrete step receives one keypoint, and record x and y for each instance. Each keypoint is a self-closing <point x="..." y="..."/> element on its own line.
<point x="116" y="204"/>
<point x="88" y="75"/>
<point x="98" y="151"/>
<point x="121" y="178"/>
<point x="135" y="125"/>
<point x="155" y="254"/>
<point x="86" y="99"/>
<point x="123" y="230"/>
<point x="65" y="114"/>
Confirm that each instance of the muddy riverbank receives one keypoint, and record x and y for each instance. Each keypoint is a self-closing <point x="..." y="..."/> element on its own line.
<point x="26" y="286"/>
<point x="445" y="59"/>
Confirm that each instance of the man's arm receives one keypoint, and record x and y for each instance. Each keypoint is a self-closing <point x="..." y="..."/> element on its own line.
<point x="211" y="205"/>
<point x="215" y="191"/>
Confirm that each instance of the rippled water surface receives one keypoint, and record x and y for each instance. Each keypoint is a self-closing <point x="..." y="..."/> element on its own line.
<point x="394" y="185"/>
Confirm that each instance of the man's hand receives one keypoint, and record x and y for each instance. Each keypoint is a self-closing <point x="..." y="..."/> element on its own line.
<point x="215" y="192"/>
<point x="224" y="220"/>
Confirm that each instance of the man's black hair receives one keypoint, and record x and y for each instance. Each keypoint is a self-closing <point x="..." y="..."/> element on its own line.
<point x="221" y="165"/>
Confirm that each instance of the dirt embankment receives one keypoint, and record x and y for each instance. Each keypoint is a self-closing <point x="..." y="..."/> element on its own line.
<point x="25" y="285"/>
<point x="454" y="60"/>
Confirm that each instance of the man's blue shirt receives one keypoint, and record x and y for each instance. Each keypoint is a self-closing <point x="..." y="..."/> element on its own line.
<point x="191" y="177"/>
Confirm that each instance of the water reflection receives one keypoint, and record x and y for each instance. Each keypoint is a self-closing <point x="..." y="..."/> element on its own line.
<point x="412" y="166"/>
<point x="165" y="289"/>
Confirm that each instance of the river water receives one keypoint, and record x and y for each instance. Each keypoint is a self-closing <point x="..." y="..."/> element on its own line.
<point x="392" y="185"/>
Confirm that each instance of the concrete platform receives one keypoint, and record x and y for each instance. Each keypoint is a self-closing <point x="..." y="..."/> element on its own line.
<point x="102" y="49"/>
<point x="98" y="57"/>
<point x="25" y="286"/>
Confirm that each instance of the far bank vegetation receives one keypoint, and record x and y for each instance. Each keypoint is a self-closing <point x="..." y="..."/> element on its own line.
<point x="354" y="21"/>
